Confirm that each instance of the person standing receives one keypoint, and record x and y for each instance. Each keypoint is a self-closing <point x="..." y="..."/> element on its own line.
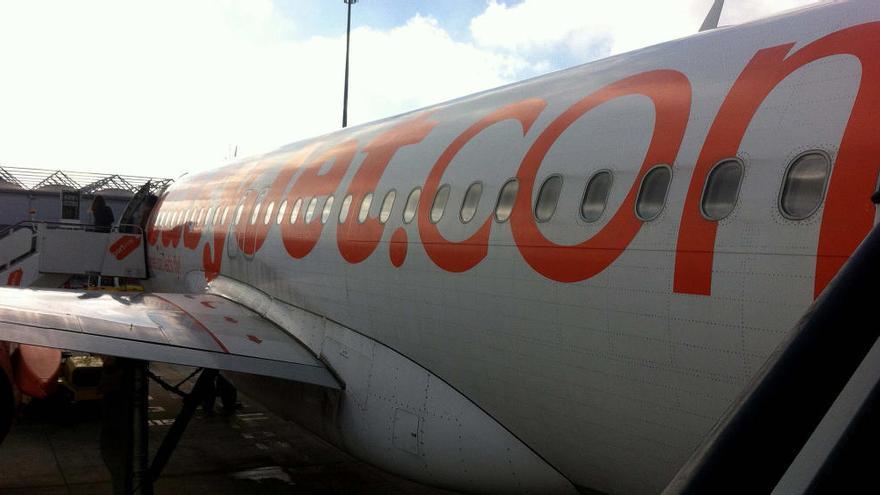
<point x="102" y="214"/>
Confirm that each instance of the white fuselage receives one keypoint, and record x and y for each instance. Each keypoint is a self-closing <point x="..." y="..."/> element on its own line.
<point x="608" y="347"/>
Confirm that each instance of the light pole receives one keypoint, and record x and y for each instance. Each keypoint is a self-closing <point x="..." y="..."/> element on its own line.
<point x="347" y="44"/>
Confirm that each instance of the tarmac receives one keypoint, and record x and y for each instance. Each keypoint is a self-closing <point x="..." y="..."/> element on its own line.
<point x="53" y="449"/>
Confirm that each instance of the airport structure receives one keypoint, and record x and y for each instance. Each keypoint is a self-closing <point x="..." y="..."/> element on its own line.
<point x="36" y="194"/>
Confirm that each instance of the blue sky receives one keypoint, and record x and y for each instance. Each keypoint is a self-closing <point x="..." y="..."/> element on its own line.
<point x="169" y="86"/>
<point x="326" y="17"/>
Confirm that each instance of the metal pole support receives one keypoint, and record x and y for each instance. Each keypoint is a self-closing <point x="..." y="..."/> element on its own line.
<point x="204" y="384"/>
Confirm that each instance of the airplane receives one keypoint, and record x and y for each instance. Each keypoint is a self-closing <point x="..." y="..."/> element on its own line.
<point x="555" y="286"/>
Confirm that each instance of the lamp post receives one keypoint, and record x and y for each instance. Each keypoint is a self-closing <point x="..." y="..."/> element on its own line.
<point x="347" y="44"/>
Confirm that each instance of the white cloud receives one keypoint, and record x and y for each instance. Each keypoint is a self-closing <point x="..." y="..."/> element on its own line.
<point x="535" y="28"/>
<point x="164" y="87"/>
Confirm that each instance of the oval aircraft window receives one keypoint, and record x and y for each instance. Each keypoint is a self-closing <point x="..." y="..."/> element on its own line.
<point x="254" y="215"/>
<point x="365" y="208"/>
<point x="548" y="198"/>
<point x="471" y="201"/>
<point x="596" y="196"/>
<point x="412" y="204"/>
<point x="439" y="205"/>
<point x="346" y="206"/>
<point x="238" y="213"/>
<point x="652" y="194"/>
<point x="225" y="214"/>
<point x="506" y="199"/>
<point x="328" y="206"/>
<point x="294" y="212"/>
<point x="269" y="210"/>
<point x="722" y="189"/>
<point x="310" y="210"/>
<point x="281" y="211"/>
<point x="804" y="185"/>
<point x="387" y="205"/>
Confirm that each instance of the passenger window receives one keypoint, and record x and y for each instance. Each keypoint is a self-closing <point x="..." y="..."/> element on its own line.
<point x="294" y="212"/>
<point x="209" y="216"/>
<point x="412" y="205"/>
<point x="310" y="210"/>
<point x="199" y="220"/>
<point x="439" y="205"/>
<point x="596" y="196"/>
<point x="722" y="189"/>
<point x="327" y="207"/>
<point x="269" y="210"/>
<point x="217" y="216"/>
<point x="804" y="185"/>
<point x="346" y="206"/>
<point x="238" y="213"/>
<point x="471" y="201"/>
<point x="387" y="205"/>
<point x="281" y="211"/>
<point x="652" y="194"/>
<point x="548" y="198"/>
<point x="506" y="199"/>
<point x="365" y="207"/>
<point x="225" y="214"/>
<point x="256" y="212"/>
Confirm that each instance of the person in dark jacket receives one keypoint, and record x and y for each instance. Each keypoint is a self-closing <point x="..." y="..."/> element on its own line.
<point x="103" y="214"/>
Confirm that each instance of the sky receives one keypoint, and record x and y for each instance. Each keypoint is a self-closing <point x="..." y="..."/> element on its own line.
<point x="168" y="87"/>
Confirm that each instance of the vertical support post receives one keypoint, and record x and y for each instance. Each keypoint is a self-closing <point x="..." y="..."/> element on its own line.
<point x="205" y="384"/>
<point x="142" y="482"/>
<point x="347" y="47"/>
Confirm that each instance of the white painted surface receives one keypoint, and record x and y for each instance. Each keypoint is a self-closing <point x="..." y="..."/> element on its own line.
<point x="15" y="245"/>
<point x="402" y="418"/>
<point x="73" y="251"/>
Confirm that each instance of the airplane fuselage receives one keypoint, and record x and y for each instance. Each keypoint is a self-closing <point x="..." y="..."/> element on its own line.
<point x="606" y="332"/>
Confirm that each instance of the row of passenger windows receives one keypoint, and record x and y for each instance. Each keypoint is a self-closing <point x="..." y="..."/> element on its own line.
<point x="802" y="191"/>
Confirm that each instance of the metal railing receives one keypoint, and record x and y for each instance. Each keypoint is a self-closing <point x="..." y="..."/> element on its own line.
<point x="35" y="226"/>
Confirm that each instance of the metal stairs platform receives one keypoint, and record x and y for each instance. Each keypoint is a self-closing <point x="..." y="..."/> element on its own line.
<point x="48" y="253"/>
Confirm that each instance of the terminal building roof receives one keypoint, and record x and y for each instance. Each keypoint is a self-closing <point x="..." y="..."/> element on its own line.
<point x="34" y="179"/>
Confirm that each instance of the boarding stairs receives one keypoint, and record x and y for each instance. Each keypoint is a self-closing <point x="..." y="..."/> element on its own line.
<point x="46" y="254"/>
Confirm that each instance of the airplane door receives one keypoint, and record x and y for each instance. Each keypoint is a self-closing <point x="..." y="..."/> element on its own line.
<point x="250" y="230"/>
<point x="139" y="207"/>
<point x="240" y="218"/>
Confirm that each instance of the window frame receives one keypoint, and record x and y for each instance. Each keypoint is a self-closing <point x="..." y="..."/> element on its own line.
<point x="345" y="207"/>
<point x="587" y="188"/>
<point x="382" y="206"/>
<point x="406" y="205"/>
<point x="365" y="214"/>
<point x="742" y="167"/>
<point x="313" y="204"/>
<point x="445" y="203"/>
<point x="538" y="198"/>
<point x="498" y="200"/>
<point x="295" y="210"/>
<point x="821" y="201"/>
<point x="665" y="195"/>
<point x="327" y="209"/>
<point x="476" y="206"/>
<point x="281" y="214"/>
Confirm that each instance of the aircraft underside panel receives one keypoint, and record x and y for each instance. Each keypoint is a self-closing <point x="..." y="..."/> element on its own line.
<point x="400" y="416"/>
